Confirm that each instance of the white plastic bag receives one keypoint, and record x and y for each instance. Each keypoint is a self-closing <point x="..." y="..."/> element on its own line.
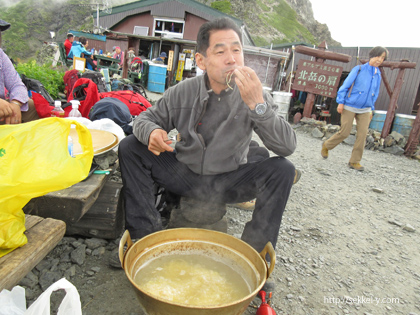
<point x="14" y="303"/>
<point x="69" y="306"/>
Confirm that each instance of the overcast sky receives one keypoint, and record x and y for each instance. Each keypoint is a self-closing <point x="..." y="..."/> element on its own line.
<point x="369" y="23"/>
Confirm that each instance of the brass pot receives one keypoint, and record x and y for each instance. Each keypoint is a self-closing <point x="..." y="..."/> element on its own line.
<point x="253" y="265"/>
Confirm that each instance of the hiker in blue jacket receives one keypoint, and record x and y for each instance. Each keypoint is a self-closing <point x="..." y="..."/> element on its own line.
<point x="356" y="100"/>
<point x="78" y="48"/>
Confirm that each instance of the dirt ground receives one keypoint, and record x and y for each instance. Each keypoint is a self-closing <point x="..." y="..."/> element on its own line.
<point x="348" y="243"/>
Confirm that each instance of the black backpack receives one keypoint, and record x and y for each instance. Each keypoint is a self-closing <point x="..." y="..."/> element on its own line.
<point x="36" y="86"/>
<point x="96" y="77"/>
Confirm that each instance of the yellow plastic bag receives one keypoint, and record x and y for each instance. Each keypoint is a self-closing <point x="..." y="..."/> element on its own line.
<point x="34" y="160"/>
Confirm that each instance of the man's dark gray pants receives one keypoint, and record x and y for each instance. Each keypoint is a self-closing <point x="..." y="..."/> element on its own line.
<point x="269" y="181"/>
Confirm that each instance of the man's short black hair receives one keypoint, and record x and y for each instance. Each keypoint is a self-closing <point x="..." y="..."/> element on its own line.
<point x="203" y="36"/>
<point x="378" y="51"/>
<point x="83" y="40"/>
<point x="69" y="35"/>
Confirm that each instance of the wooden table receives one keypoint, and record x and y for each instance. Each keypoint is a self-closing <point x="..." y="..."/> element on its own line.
<point x="43" y="235"/>
<point x="107" y="62"/>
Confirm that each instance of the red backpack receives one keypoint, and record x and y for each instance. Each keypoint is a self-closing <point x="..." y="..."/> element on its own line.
<point x="135" y="102"/>
<point x="70" y="77"/>
<point x="86" y="91"/>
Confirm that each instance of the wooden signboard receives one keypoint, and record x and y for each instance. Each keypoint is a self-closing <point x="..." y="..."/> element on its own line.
<point x="317" y="78"/>
<point x="170" y="60"/>
<point x="79" y="64"/>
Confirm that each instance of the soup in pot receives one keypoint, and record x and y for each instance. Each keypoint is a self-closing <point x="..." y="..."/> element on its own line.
<point x="193" y="279"/>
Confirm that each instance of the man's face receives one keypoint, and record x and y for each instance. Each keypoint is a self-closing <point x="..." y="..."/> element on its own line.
<point x="118" y="51"/>
<point x="71" y="39"/>
<point x="223" y="55"/>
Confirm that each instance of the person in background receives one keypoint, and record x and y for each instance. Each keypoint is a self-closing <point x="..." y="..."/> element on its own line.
<point x="130" y="55"/>
<point x="68" y="42"/>
<point x="356" y="100"/>
<point x="119" y="55"/>
<point x="161" y="58"/>
<point x="78" y="48"/>
<point x="215" y="115"/>
<point x="15" y="106"/>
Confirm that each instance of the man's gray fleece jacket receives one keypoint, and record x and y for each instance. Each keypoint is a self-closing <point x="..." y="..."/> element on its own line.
<point x="182" y="107"/>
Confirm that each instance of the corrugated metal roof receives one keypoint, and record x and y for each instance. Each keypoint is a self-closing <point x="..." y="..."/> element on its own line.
<point x="407" y="97"/>
<point x="164" y="8"/>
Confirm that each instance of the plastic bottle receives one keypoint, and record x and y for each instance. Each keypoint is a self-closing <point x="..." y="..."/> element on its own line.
<point x="75" y="109"/>
<point x="57" y="111"/>
<point x="70" y="146"/>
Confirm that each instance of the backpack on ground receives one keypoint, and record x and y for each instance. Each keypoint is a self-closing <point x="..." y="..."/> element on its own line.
<point x="86" y="91"/>
<point x="70" y="78"/>
<point x="96" y="77"/>
<point x="115" y="110"/>
<point x="38" y="87"/>
<point x="126" y="84"/>
<point x="135" y="102"/>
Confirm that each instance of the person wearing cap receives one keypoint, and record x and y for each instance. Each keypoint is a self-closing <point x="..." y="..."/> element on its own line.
<point x="3" y="26"/>
<point x="161" y="58"/>
<point x="68" y="42"/>
<point x="119" y="55"/>
<point x="15" y="105"/>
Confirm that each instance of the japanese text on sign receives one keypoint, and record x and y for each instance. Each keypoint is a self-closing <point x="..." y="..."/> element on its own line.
<point x="317" y="78"/>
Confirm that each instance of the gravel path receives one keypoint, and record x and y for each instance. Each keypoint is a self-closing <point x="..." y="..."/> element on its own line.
<point x="348" y="243"/>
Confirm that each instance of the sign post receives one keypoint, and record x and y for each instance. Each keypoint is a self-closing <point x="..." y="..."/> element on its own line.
<point x="181" y="64"/>
<point x="317" y="77"/>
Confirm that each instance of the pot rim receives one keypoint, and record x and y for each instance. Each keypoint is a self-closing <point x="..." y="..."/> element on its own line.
<point x="268" y="267"/>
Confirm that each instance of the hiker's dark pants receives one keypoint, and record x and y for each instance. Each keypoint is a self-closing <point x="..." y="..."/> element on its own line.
<point x="89" y="60"/>
<point x="269" y="180"/>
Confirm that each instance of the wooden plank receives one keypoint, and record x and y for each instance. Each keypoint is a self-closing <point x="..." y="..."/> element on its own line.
<point x="69" y="204"/>
<point x="42" y="238"/>
<point x="105" y="218"/>
<point x="31" y="220"/>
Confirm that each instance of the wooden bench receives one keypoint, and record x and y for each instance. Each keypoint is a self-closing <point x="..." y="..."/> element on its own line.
<point x="43" y="235"/>
<point x="70" y="204"/>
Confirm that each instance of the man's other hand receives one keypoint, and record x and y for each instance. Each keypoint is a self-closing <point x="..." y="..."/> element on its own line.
<point x="159" y="142"/>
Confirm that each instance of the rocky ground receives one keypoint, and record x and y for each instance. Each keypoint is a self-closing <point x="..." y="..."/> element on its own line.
<point x="348" y="243"/>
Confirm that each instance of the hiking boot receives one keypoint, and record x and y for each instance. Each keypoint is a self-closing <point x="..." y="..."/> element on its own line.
<point x="298" y="174"/>
<point x="356" y="166"/>
<point x="247" y="205"/>
<point x="324" y="151"/>
<point x="114" y="258"/>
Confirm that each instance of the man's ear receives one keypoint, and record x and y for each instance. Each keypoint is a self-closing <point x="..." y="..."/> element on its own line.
<point x="199" y="59"/>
